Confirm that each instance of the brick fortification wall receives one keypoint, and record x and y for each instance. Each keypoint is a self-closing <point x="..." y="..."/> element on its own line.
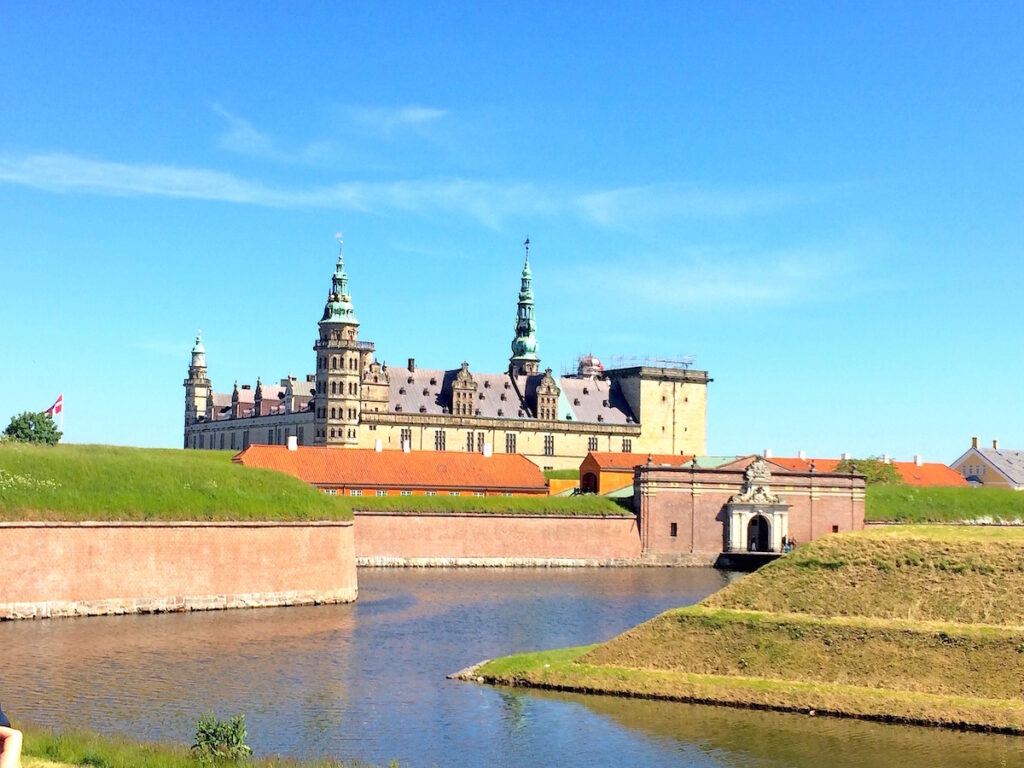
<point x="695" y="499"/>
<point x="494" y="540"/>
<point x="88" y="569"/>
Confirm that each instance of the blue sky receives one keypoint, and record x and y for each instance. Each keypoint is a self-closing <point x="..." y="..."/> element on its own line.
<point x="822" y="202"/>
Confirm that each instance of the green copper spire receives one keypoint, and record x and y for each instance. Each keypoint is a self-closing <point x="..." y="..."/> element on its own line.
<point x="524" y="347"/>
<point x="339" y="304"/>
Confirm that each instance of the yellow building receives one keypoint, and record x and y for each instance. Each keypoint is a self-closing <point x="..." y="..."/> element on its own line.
<point x="353" y="400"/>
<point x="995" y="466"/>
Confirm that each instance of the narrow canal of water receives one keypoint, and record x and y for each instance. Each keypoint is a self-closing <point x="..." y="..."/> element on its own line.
<point x="367" y="681"/>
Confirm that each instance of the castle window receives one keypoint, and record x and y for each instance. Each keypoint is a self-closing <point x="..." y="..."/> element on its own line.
<point x="439" y="440"/>
<point x="480" y="442"/>
<point x="334" y="388"/>
<point x="591" y="443"/>
<point x="430" y="493"/>
<point x="301" y="434"/>
<point x="478" y="493"/>
<point x="627" y="445"/>
<point x="673" y="529"/>
<point x="381" y="493"/>
<point x="352" y="363"/>
<point x="469" y="442"/>
<point x="453" y="493"/>
<point x="355" y="492"/>
<point x="270" y="437"/>
<point x="549" y="445"/>
<point x="333" y="413"/>
<point x="222" y="441"/>
<point x="510" y="442"/>
<point x="334" y="363"/>
<point x="405" y="493"/>
<point x="406" y="437"/>
<point x="332" y="431"/>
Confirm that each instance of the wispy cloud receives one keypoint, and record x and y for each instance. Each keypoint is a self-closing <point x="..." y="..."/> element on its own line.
<point x="241" y="136"/>
<point x="645" y="203"/>
<point x="388" y="120"/>
<point x="490" y="202"/>
<point x="718" y="277"/>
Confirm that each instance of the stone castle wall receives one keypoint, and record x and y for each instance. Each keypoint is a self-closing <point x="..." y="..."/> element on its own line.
<point x="86" y="569"/>
<point x="497" y="540"/>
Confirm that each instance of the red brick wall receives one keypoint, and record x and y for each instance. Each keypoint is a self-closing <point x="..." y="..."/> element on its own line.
<point x="85" y="568"/>
<point x="399" y="536"/>
<point x="695" y="500"/>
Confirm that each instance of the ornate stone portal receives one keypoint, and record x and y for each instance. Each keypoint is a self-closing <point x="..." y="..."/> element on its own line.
<point x="757" y="519"/>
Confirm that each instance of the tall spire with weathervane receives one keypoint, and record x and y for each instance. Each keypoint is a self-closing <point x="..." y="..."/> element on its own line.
<point x="524" y="358"/>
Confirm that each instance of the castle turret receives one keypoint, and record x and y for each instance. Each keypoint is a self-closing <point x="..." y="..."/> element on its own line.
<point x="340" y="359"/>
<point x="524" y="358"/>
<point x="197" y="387"/>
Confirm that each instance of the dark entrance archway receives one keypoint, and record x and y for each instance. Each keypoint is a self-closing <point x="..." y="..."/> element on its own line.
<point x="759" y="535"/>
<point x="588" y="483"/>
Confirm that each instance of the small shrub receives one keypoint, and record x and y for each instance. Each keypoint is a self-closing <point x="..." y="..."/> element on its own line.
<point x="220" y="740"/>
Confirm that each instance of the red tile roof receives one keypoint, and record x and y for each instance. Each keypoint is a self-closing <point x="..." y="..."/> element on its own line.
<point x="363" y="468"/>
<point x="615" y="461"/>
<point x="929" y="473"/>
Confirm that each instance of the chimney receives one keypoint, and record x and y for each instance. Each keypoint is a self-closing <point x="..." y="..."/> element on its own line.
<point x="886" y="459"/>
<point x="974" y="443"/>
<point x="293" y="443"/>
<point x="412" y="365"/>
<point x="995" y="445"/>
<point x="488" y="450"/>
<point x="378" y="446"/>
<point x="767" y="453"/>
<point x="802" y="455"/>
<point x="918" y="459"/>
<point x="845" y="456"/>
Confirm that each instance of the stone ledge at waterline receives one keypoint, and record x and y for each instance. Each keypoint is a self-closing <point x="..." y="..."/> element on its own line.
<point x="101" y="568"/>
<point x="921" y="624"/>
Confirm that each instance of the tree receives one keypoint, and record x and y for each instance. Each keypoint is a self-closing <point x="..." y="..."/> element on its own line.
<point x="875" y="471"/>
<point x="33" y="428"/>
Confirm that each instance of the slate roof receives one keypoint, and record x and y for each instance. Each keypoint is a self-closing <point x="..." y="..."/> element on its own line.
<point x="420" y="470"/>
<point x="429" y="391"/>
<point x="1010" y="463"/>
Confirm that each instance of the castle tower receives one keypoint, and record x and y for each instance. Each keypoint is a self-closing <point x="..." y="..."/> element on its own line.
<point x="340" y="360"/>
<point x="524" y="358"/>
<point x="197" y="387"/>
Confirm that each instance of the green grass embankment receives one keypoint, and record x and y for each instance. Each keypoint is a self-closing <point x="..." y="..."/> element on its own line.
<point x="98" y="482"/>
<point x="562" y="474"/>
<point x="574" y="506"/>
<point x="920" y="624"/>
<point x="909" y="504"/>
<point x="47" y="749"/>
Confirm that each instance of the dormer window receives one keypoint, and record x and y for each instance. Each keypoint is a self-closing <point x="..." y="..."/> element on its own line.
<point x="426" y="391"/>
<point x="433" y="381"/>
<point x="586" y="390"/>
<point x="398" y="408"/>
<point x="604" y="403"/>
<point x="423" y="409"/>
<point x="481" y="396"/>
<point x="401" y="390"/>
<point x="487" y="385"/>
<point x="600" y="417"/>
<point x="575" y="401"/>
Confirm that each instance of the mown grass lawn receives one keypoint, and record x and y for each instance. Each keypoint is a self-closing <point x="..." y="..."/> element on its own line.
<point x="910" y="504"/>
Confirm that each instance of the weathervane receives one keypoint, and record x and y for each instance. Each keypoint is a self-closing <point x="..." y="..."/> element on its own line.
<point x="337" y="236"/>
<point x="527" y="244"/>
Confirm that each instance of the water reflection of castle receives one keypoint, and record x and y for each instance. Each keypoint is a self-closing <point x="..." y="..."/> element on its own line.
<point x="353" y="400"/>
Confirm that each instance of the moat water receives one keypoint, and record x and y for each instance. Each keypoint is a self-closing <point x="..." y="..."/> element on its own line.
<point x="367" y="681"/>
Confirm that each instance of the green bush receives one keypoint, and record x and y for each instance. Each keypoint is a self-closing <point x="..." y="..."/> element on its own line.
<point x="220" y="741"/>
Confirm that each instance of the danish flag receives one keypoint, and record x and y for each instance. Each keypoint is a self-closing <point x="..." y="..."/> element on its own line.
<point x="57" y="407"/>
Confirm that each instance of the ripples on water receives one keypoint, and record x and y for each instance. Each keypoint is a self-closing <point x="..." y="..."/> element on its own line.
<point x="366" y="681"/>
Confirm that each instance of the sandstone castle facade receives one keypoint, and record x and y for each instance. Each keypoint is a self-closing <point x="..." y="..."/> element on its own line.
<point x="353" y="400"/>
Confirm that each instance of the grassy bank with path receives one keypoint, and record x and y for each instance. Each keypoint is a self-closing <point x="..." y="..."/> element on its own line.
<point x="921" y="624"/>
<point x="100" y="482"/>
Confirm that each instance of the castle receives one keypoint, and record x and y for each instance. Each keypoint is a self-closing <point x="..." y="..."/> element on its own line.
<point x="353" y="400"/>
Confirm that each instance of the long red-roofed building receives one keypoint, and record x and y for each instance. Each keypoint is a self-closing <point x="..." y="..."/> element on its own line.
<point x="912" y="473"/>
<point x="363" y="472"/>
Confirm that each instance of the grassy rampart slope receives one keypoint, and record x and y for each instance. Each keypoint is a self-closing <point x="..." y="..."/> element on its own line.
<point x="920" y="624"/>
<point x="909" y="504"/>
<point x="98" y="482"/>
